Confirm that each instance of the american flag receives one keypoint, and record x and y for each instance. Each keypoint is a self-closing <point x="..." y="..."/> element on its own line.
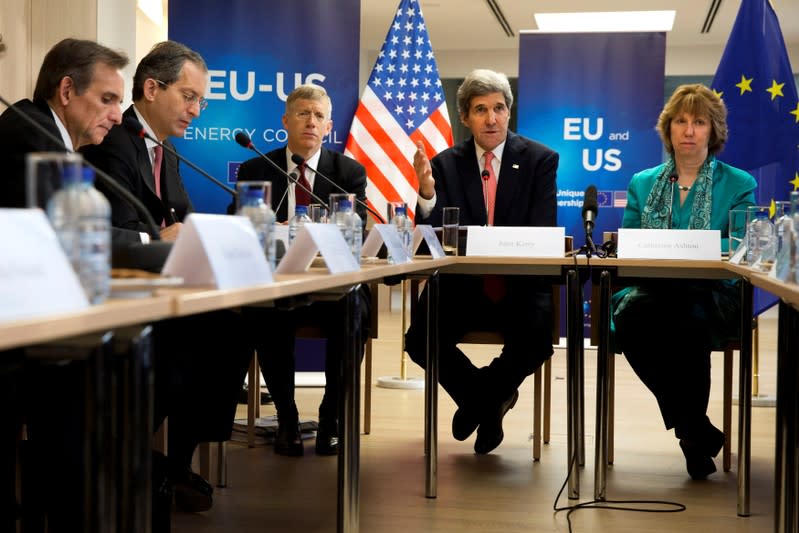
<point x="403" y="103"/>
<point x="620" y="199"/>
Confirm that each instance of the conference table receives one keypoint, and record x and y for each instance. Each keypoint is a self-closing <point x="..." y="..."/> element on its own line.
<point x="786" y="448"/>
<point x="178" y="302"/>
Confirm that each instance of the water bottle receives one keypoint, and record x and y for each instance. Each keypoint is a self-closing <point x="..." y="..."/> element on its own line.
<point x="81" y="217"/>
<point x="782" y="218"/>
<point x="262" y="219"/>
<point x="356" y="226"/>
<point x="794" y="254"/>
<point x="296" y="223"/>
<point x="760" y="239"/>
<point x="404" y="228"/>
<point x="341" y="218"/>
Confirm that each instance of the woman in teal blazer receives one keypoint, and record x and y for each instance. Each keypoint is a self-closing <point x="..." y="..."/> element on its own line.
<point x="667" y="328"/>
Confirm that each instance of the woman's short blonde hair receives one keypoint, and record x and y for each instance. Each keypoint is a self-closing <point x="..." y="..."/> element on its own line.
<point x="697" y="100"/>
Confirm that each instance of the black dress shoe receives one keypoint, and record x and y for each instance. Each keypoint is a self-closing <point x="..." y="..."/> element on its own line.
<point x="193" y="494"/>
<point x="464" y="422"/>
<point x="700" y="448"/>
<point x="288" y="441"/>
<point x="490" y="433"/>
<point x="327" y="437"/>
<point x="697" y="461"/>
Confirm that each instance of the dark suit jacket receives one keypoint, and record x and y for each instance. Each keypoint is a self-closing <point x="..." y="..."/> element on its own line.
<point x="526" y="196"/>
<point x="526" y="193"/>
<point x="346" y="172"/>
<point x="17" y="138"/>
<point x="124" y="156"/>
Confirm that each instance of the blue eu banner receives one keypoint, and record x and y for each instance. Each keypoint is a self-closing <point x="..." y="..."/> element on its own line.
<point x="595" y="98"/>
<point x="755" y="80"/>
<point x="256" y="53"/>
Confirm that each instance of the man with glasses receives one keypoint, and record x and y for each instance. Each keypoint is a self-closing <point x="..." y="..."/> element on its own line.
<point x="200" y="360"/>
<point x="168" y="90"/>
<point x="307" y="122"/>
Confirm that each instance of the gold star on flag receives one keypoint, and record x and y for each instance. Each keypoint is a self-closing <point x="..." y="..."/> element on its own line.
<point x="718" y="93"/>
<point x="775" y="90"/>
<point x="795" y="112"/>
<point x="795" y="181"/>
<point x="745" y="84"/>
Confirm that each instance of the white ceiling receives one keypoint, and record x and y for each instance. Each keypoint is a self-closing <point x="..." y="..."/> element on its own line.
<point x="463" y="25"/>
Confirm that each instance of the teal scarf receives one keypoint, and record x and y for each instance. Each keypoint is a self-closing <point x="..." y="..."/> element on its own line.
<point x="658" y="204"/>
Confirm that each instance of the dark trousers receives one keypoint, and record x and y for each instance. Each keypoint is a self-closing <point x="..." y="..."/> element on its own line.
<point x="523" y="316"/>
<point x="668" y="344"/>
<point x="200" y="362"/>
<point x="274" y="333"/>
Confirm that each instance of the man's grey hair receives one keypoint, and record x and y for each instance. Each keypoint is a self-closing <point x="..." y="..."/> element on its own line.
<point x="480" y="82"/>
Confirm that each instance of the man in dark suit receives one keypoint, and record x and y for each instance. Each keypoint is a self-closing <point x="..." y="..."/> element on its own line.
<point x="520" y="191"/>
<point x="200" y="360"/>
<point x="77" y="97"/>
<point x="77" y="100"/>
<point x="307" y="121"/>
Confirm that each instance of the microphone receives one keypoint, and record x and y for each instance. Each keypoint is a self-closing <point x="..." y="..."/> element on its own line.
<point x="136" y="128"/>
<point x="672" y="179"/>
<point x="486" y="176"/>
<point x="244" y="140"/>
<point x="104" y="178"/>
<point x="590" y="208"/>
<point x="299" y="160"/>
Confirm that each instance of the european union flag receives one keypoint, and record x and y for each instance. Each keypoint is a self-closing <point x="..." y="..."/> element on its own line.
<point x="755" y="80"/>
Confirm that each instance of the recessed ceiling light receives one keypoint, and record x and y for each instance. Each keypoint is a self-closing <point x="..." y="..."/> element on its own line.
<point x="606" y="21"/>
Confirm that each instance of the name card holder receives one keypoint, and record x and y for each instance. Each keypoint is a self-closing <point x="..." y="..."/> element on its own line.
<point x="385" y="234"/>
<point x="222" y="251"/>
<point x="426" y="233"/>
<point x="515" y="241"/>
<point x="669" y="244"/>
<point x="36" y="278"/>
<point x="325" y="239"/>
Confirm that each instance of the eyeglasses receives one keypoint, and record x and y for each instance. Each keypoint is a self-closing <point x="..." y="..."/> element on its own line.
<point x="189" y="97"/>
<point x="317" y="116"/>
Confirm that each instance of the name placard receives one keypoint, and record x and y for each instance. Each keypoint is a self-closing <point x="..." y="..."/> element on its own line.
<point x="36" y="278"/>
<point x="218" y="250"/>
<point x="325" y="239"/>
<point x="669" y="244"/>
<point x="515" y="241"/>
<point x="385" y="234"/>
<point x="428" y="234"/>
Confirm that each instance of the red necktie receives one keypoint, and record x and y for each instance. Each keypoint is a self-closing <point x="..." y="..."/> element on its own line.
<point x="159" y="158"/>
<point x="490" y="188"/>
<point x="302" y="196"/>
<point x="493" y="286"/>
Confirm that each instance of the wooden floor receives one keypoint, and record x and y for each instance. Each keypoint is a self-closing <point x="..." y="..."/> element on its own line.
<point x="505" y="491"/>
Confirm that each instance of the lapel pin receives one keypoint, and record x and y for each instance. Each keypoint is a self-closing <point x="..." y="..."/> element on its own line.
<point x="515" y="166"/>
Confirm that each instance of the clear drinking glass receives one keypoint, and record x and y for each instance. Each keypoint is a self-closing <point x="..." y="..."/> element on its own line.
<point x="318" y="213"/>
<point x="44" y="172"/>
<point x="737" y="229"/>
<point x="449" y="224"/>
